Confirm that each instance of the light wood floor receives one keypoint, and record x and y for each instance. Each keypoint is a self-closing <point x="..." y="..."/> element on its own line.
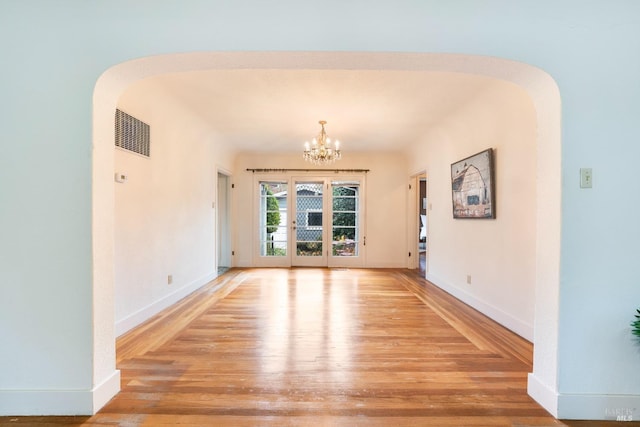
<point x="319" y="347"/>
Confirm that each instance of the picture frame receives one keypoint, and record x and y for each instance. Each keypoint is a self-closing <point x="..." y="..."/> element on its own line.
<point x="473" y="187"/>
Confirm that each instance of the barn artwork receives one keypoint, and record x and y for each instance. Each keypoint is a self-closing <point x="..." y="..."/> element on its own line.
<point x="472" y="186"/>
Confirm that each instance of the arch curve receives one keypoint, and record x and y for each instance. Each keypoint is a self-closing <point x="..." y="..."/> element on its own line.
<point x="540" y="87"/>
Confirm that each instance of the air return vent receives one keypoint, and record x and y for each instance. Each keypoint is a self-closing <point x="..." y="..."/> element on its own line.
<point x="132" y="134"/>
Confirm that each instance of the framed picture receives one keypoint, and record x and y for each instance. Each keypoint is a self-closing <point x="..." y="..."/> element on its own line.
<point x="472" y="186"/>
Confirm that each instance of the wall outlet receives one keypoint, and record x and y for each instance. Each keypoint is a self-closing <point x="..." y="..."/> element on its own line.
<point x="169" y="279"/>
<point x="468" y="279"/>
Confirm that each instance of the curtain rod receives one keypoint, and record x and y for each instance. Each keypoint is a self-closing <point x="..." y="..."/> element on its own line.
<point x="307" y="170"/>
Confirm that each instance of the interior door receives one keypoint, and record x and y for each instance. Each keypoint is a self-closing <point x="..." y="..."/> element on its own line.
<point x="308" y="223"/>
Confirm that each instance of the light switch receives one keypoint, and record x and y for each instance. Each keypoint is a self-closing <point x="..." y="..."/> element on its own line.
<point x="586" y="178"/>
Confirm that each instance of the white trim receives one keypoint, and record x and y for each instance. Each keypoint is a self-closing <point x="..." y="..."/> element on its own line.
<point x="538" y="84"/>
<point x="135" y="319"/>
<point x="386" y="264"/>
<point x="543" y="394"/>
<point x="611" y="407"/>
<point x="106" y="390"/>
<point x="505" y="319"/>
<point x="59" y="402"/>
<point x="228" y="214"/>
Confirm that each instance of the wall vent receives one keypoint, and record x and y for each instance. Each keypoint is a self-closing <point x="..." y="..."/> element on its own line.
<point x="132" y="134"/>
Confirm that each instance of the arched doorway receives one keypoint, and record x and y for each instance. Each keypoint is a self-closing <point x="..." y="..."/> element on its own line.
<point x="539" y="85"/>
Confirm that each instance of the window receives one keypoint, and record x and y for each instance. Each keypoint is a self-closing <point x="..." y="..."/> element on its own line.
<point x="314" y="219"/>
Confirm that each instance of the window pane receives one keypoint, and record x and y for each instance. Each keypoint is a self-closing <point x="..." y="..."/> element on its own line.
<point x="273" y="218"/>
<point x="345" y="234"/>
<point x="314" y="219"/>
<point x="309" y="248"/>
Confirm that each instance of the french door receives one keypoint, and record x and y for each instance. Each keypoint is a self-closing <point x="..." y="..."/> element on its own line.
<point x="311" y="222"/>
<point x="309" y="236"/>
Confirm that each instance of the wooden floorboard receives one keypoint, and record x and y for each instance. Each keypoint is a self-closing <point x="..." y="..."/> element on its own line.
<point x="319" y="347"/>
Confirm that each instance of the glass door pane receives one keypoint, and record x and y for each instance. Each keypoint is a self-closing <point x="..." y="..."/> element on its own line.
<point x="345" y="233"/>
<point x="273" y="219"/>
<point x="309" y="204"/>
<point x="346" y="224"/>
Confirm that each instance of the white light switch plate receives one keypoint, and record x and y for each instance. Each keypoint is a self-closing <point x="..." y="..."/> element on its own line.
<point x="586" y="178"/>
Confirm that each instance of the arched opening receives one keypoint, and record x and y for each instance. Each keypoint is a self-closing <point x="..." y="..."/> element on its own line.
<point x="540" y="87"/>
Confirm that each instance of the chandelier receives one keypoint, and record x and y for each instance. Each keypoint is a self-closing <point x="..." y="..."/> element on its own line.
<point x="319" y="151"/>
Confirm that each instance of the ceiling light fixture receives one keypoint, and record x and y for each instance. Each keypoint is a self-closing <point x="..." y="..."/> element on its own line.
<point x="320" y="151"/>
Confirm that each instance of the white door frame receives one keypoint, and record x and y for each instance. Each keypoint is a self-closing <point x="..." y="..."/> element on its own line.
<point x="223" y="218"/>
<point x="413" y="219"/>
<point x="317" y="260"/>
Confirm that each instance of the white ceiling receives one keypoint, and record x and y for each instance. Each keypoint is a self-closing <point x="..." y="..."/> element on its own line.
<point x="277" y="110"/>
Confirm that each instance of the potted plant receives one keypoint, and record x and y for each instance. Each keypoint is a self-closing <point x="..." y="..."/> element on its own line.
<point x="635" y="325"/>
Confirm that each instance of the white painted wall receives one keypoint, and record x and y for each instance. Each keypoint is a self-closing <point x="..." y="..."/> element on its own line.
<point x="164" y="216"/>
<point x="385" y="202"/>
<point x="499" y="254"/>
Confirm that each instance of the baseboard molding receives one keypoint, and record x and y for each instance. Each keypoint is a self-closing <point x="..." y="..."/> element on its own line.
<point x="385" y="264"/>
<point x="544" y="395"/>
<point x="59" y="402"/>
<point x="601" y="407"/>
<point x="611" y="407"/>
<point x="105" y="391"/>
<point x="126" y="324"/>
<point x="508" y="321"/>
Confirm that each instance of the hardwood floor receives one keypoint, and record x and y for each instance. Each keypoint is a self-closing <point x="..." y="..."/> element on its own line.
<point x="319" y="347"/>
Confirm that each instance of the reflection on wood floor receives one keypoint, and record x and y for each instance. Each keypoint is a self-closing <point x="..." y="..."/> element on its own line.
<point x="319" y="347"/>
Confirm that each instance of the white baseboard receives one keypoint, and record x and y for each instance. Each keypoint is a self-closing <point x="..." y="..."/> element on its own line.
<point x="543" y="394"/>
<point x="135" y="319"/>
<point x="386" y="264"/>
<point x="105" y="391"/>
<point x="59" y="402"/>
<point x="610" y="407"/>
<point x="508" y="321"/>
<point x="602" y="407"/>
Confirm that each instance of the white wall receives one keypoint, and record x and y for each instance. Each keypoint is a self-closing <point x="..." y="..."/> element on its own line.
<point x="164" y="216"/>
<point x="499" y="254"/>
<point x="385" y="202"/>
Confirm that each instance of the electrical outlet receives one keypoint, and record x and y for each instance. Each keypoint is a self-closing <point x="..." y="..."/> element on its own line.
<point x="169" y="279"/>
<point x="468" y="279"/>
